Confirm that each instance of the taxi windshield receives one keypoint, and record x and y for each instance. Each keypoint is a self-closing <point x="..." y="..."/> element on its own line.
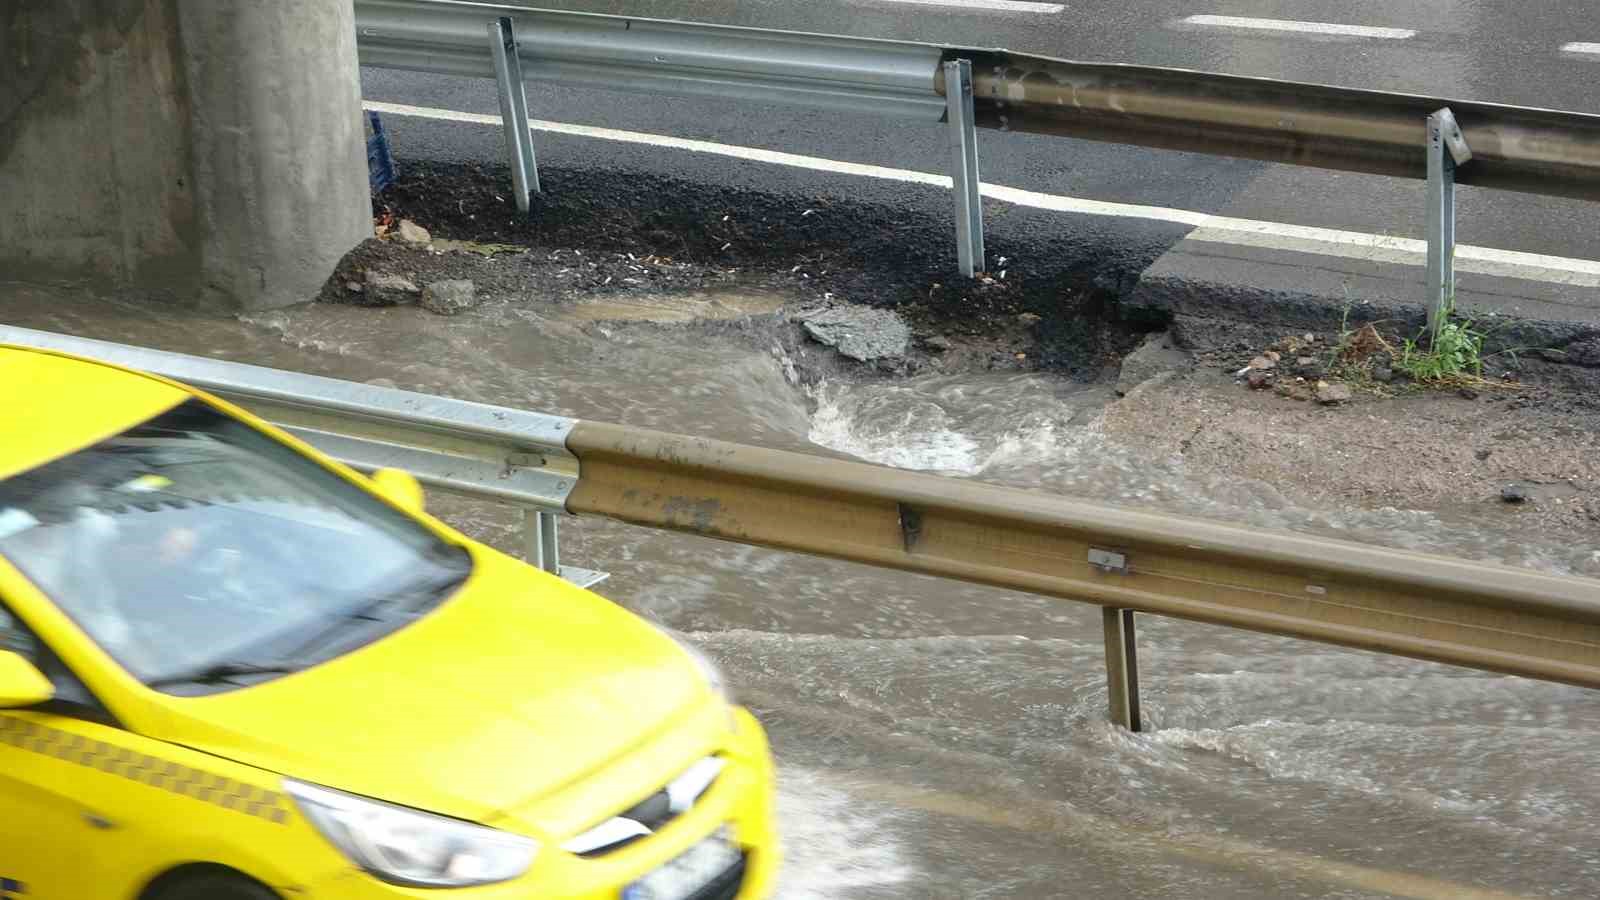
<point x="194" y="547"/>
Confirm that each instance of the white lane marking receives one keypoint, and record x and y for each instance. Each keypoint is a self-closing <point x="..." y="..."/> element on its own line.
<point x="1581" y="47"/>
<point x="1393" y="34"/>
<point x="1207" y="227"/>
<point x="998" y="5"/>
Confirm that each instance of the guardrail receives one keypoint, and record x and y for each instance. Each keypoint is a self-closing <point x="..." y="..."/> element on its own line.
<point x="1473" y="614"/>
<point x="1382" y="133"/>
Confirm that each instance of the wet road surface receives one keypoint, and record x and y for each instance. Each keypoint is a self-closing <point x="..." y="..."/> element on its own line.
<point x="940" y="740"/>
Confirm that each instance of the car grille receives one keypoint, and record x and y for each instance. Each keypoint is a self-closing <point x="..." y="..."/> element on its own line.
<point x="650" y="814"/>
<point x="727" y="885"/>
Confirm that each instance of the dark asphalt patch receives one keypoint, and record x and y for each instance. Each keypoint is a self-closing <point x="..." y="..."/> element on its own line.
<point x="1050" y="295"/>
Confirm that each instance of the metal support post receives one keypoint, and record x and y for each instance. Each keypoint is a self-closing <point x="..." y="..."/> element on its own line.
<point x="1447" y="149"/>
<point x="514" y="111"/>
<point x="1122" y="668"/>
<point x="539" y="530"/>
<point x="964" y="165"/>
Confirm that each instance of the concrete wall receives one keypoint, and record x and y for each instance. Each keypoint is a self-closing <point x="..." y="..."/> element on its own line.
<point x="206" y="151"/>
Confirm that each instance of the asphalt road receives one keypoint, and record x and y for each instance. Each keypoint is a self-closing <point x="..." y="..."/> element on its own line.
<point x="1493" y="50"/>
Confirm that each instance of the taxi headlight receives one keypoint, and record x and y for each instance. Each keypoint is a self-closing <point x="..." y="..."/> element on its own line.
<point x="404" y="846"/>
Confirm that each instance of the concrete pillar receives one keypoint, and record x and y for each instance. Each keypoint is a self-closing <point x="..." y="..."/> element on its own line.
<point x="209" y="152"/>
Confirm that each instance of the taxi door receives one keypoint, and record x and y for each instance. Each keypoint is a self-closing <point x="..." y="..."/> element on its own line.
<point x="50" y="835"/>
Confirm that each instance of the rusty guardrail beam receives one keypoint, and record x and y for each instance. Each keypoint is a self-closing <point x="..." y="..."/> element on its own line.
<point x="1469" y="613"/>
<point x="1535" y="151"/>
<point x="1448" y="610"/>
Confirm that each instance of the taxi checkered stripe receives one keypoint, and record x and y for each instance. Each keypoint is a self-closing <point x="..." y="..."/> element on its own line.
<point x="148" y="770"/>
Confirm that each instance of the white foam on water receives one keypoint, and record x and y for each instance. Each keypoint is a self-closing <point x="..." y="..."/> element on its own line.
<point x="834" y="844"/>
<point x="934" y="426"/>
<point x="918" y="437"/>
<point x="1018" y="430"/>
<point x="289" y="331"/>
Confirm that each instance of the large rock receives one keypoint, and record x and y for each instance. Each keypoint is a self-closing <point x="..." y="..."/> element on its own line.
<point x="859" y="332"/>
<point x="449" y="297"/>
<point x="412" y="233"/>
<point x="1157" y="355"/>
<point x="383" y="289"/>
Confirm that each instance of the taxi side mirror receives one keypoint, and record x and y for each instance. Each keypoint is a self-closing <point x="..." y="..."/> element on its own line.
<point x="400" y="488"/>
<point x="21" y="684"/>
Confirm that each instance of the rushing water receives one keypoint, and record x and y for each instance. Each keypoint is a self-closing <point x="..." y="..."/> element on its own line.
<point x="944" y="740"/>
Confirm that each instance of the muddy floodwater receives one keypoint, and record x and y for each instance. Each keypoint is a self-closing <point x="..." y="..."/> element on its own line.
<point x="940" y="740"/>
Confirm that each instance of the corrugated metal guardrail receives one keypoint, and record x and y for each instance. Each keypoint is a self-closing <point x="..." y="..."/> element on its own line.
<point x="1518" y="148"/>
<point x="1450" y="610"/>
<point x="1524" y="149"/>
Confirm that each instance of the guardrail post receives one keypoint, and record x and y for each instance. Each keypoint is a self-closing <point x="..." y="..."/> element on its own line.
<point x="1122" y="668"/>
<point x="514" y="111"/>
<point x="539" y="530"/>
<point x="1447" y="149"/>
<point x="964" y="165"/>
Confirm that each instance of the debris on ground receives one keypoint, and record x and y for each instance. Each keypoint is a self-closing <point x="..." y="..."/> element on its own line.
<point x="1157" y="355"/>
<point x="1330" y="393"/>
<point x="449" y="297"/>
<point x="1514" y="493"/>
<point x="1363" y="344"/>
<point x="384" y="289"/>
<point x="447" y="245"/>
<point x="412" y="233"/>
<point x="861" y="333"/>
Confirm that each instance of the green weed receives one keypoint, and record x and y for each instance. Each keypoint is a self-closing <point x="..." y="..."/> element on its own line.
<point x="1454" y="354"/>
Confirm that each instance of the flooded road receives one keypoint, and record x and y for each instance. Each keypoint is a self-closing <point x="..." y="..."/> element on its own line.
<point x="941" y="740"/>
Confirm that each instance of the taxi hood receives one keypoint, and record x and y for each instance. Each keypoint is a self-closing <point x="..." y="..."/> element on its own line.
<point x="516" y="686"/>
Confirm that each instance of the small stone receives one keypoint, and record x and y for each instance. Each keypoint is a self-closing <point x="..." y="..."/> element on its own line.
<point x="938" y="343"/>
<point x="412" y="233"/>
<point x="1584" y="353"/>
<point x="1309" y="338"/>
<point x="1467" y="394"/>
<point x="388" y="290"/>
<point x="1483" y="454"/>
<point x="1514" y="493"/>
<point x="1382" y="374"/>
<point x="1273" y="355"/>
<point x="353" y="287"/>
<point x="1290" y="390"/>
<point x="1028" y="319"/>
<point x="1330" y="393"/>
<point x="1259" y="379"/>
<point x="1262" y="362"/>
<point x="1310" y="367"/>
<point x="449" y="297"/>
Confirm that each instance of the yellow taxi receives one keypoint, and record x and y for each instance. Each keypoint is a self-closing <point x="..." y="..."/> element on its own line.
<point x="234" y="669"/>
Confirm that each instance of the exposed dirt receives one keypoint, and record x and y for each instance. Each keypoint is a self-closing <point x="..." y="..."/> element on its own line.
<point x="614" y="250"/>
<point x="1034" y="313"/>
<point x="1419" y="450"/>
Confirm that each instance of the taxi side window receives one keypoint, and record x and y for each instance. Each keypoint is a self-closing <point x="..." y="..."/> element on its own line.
<point x="72" y="696"/>
<point x="16" y="638"/>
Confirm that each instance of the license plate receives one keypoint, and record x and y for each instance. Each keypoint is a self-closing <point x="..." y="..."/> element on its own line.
<point x="690" y="873"/>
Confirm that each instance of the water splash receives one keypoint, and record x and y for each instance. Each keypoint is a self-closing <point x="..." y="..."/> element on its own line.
<point x="833" y="844"/>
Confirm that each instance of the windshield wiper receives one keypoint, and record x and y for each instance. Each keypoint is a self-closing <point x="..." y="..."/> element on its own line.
<point x="376" y="610"/>
<point x="222" y="673"/>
